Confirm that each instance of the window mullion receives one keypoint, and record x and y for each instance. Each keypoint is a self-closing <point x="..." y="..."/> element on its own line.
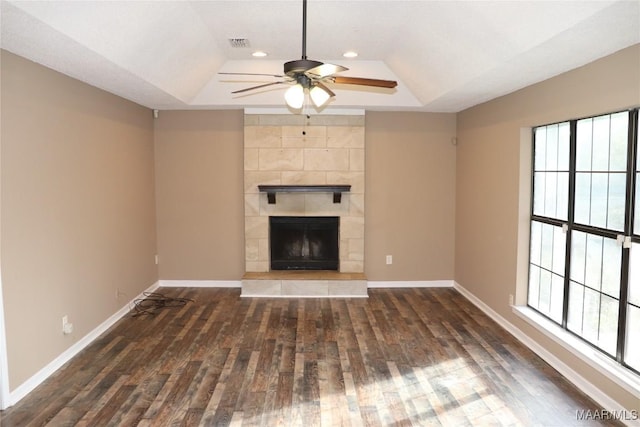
<point x="570" y="219"/>
<point x="631" y="166"/>
<point x="632" y="161"/>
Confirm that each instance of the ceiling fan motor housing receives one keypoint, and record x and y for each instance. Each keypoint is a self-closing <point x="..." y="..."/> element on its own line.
<point x="292" y="68"/>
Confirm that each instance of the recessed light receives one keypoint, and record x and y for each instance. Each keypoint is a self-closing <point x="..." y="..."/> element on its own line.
<point x="259" y="54"/>
<point x="350" y="54"/>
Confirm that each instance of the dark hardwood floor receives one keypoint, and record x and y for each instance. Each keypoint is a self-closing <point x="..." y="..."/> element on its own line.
<point x="403" y="357"/>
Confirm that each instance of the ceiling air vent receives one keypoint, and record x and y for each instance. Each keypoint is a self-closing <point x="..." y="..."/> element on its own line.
<point x="239" y="42"/>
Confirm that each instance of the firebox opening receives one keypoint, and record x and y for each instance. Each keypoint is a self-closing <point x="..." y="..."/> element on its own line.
<point x="304" y="242"/>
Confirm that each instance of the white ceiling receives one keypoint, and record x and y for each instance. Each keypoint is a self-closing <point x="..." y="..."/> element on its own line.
<point x="445" y="55"/>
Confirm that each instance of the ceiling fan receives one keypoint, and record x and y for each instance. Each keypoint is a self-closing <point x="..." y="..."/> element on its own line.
<point x="309" y="75"/>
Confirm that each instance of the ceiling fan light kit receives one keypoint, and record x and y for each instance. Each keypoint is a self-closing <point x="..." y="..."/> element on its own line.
<point x="310" y="76"/>
<point x="319" y="96"/>
<point x="294" y="96"/>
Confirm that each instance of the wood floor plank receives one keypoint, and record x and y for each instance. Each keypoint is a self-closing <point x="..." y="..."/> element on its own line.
<point x="401" y="357"/>
<point x="208" y="378"/>
<point x="112" y="407"/>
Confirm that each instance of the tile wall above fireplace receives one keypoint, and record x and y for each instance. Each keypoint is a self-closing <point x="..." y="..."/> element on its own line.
<point x="301" y="150"/>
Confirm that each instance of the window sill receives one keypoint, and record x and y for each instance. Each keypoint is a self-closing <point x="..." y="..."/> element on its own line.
<point x="601" y="363"/>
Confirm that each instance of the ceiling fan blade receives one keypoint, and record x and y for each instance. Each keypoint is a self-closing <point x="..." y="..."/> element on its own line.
<point x="253" y="74"/>
<point x="325" y="70"/>
<point x="326" y="89"/>
<point x="257" y="87"/>
<point x="365" y="82"/>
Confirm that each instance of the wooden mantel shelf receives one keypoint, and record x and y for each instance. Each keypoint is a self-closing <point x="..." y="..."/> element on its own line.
<point x="271" y="190"/>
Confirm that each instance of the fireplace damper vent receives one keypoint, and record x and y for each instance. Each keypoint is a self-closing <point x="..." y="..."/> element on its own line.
<point x="304" y="242"/>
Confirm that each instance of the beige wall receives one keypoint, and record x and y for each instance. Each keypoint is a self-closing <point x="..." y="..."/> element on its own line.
<point x="200" y="196"/>
<point x="410" y="196"/>
<point x="487" y="180"/>
<point x="78" y="218"/>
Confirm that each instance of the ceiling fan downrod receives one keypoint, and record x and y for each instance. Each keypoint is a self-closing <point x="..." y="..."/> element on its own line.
<point x="294" y="68"/>
<point x="304" y="29"/>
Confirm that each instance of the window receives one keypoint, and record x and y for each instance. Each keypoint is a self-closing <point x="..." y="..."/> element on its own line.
<point x="584" y="262"/>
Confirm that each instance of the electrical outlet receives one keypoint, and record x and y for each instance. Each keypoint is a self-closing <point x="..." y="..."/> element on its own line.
<point x="510" y="299"/>
<point x="157" y="260"/>
<point x="67" y="327"/>
<point x="389" y="259"/>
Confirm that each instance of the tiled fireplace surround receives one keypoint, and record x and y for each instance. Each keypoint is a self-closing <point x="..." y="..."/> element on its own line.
<point x="304" y="150"/>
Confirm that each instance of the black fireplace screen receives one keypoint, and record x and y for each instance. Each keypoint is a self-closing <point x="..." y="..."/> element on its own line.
<point x="304" y="242"/>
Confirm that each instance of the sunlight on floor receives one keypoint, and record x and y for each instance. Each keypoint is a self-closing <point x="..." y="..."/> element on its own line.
<point x="449" y="393"/>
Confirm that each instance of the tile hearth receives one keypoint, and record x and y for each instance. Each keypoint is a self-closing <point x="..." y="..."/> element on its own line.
<point x="304" y="284"/>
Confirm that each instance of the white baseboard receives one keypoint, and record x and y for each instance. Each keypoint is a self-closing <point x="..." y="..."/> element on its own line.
<point x="595" y="393"/>
<point x="370" y="284"/>
<point x="35" y="380"/>
<point x="200" y="283"/>
<point x="411" y="284"/>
